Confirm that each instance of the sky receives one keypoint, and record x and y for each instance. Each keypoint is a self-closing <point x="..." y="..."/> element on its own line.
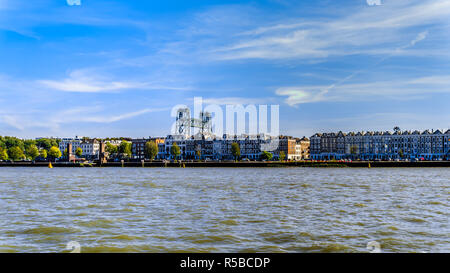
<point x="114" y="68"/>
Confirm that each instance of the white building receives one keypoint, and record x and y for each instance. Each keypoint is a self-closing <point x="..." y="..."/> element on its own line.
<point x="90" y="147"/>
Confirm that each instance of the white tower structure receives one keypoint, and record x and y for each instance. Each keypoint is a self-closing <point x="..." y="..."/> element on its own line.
<point x="204" y="124"/>
<point x="183" y="122"/>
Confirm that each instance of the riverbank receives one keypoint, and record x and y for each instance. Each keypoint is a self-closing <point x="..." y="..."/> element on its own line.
<point x="253" y="164"/>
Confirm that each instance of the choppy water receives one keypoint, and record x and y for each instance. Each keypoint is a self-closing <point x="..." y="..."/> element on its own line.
<point x="224" y="209"/>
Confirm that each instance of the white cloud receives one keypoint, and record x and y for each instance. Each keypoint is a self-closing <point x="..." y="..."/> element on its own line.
<point x="21" y="121"/>
<point x="236" y="100"/>
<point x="421" y="36"/>
<point x="400" y="89"/>
<point x="77" y="115"/>
<point x="90" y="114"/>
<point x="12" y="121"/>
<point x="369" y="30"/>
<point x="443" y="80"/>
<point x="81" y="81"/>
<point x="84" y="81"/>
<point x="70" y="85"/>
<point x="296" y="95"/>
<point x="115" y="118"/>
<point x="74" y="2"/>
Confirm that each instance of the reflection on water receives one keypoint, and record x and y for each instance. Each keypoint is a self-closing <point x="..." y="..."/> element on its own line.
<point x="224" y="209"/>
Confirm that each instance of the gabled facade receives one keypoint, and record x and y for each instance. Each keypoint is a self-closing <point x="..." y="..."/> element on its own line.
<point x="382" y="145"/>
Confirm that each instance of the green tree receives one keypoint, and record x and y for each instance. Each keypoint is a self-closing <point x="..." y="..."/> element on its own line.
<point x="11" y="142"/>
<point x="282" y="155"/>
<point x="54" y="153"/>
<point x="400" y="153"/>
<point x="32" y="151"/>
<point x="43" y="153"/>
<point x="47" y="143"/>
<point x="66" y="153"/>
<point x="3" y="154"/>
<point x="16" y="153"/>
<point x="28" y="143"/>
<point x="235" y="150"/>
<point x="2" y="143"/>
<point x="266" y="155"/>
<point x="198" y="151"/>
<point x="111" y="149"/>
<point x="151" y="150"/>
<point x="125" y="148"/>
<point x="79" y="152"/>
<point x="175" y="150"/>
<point x="353" y="150"/>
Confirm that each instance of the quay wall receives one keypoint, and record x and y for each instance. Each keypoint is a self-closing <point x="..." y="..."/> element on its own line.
<point x="253" y="164"/>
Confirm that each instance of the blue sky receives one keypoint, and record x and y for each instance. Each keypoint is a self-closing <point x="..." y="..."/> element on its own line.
<point x="116" y="67"/>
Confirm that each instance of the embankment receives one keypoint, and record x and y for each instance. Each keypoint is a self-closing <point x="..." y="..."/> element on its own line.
<point x="253" y="164"/>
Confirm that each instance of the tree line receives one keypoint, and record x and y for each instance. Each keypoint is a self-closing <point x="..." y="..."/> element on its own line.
<point x="13" y="148"/>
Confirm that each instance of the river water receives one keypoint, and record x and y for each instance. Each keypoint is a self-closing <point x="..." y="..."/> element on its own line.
<point x="224" y="209"/>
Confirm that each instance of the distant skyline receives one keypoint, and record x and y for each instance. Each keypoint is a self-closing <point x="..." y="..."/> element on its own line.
<point x="111" y="68"/>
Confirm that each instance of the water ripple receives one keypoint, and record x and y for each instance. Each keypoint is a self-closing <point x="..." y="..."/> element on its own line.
<point x="224" y="210"/>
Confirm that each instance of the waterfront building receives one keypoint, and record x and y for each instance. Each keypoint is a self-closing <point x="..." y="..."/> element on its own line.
<point x="138" y="146"/>
<point x="426" y="145"/>
<point x="180" y="140"/>
<point x="161" y="151"/>
<point x="205" y="145"/>
<point x="251" y="146"/>
<point x="286" y="144"/>
<point x="213" y="148"/>
<point x="293" y="148"/>
<point x="90" y="147"/>
<point x="302" y="149"/>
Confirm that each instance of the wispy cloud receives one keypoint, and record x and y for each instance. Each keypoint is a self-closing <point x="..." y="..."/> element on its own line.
<point x="442" y="80"/>
<point x="21" y="122"/>
<point x="12" y="121"/>
<point x="421" y="36"/>
<point x="89" y="86"/>
<point x="370" y="30"/>
<point x="298" y="95"/>
<point x="401" y="89"/>
<point x="237" y="100"/>
<point x="84" y="82"/>
<point x="77" y="115"/>
<point x="94" y="13"/>
<point x="96" y="118"/>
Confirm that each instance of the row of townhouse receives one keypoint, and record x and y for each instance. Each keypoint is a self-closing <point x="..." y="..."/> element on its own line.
<point x="90" y="147"/>
<point x="216" y="148"/>
<point x="427" y="145"/>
